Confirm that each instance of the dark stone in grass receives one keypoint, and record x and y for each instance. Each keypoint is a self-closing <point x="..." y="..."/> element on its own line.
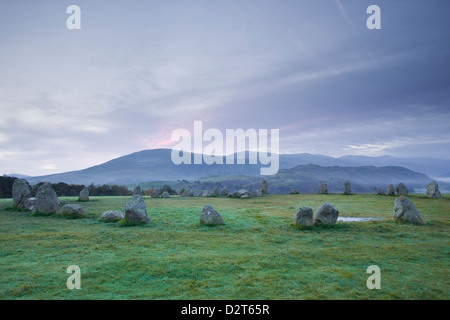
<point x="136" y="210"/>
<point x="156" y="193"/>
<point x="84" y="195"/>
<point x="304" y="217"/>
<point x="137" y="191"/>
<point x="402" y="190"/>
<point x="47" y="200"/>
<point x="380" y="192"/>
<point x="323" y="188"/>
<point x="390" y="190"/>
<point x="264" y="187"/>
<point x="210" y="217"/>
<point x="294" y="191"/>
<point x="112" y="216"/>
<point x="165" y="194"/>
<point x="347" y="188"/>
<point x="224" y="192"/>
<point x="75" y="211"/>
<point x="326" y="214"/>
<point x="20" y="192"/>
<point x="433" y="190"/>
<point x="406" y="211"/>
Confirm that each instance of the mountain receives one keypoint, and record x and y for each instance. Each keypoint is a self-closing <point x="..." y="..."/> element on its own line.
<point x="305" y="179"/>
<point x="156" y="165"/>
<point x="430" y="166"/>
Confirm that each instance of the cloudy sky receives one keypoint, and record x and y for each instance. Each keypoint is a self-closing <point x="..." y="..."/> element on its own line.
<point x="137" y="70"/>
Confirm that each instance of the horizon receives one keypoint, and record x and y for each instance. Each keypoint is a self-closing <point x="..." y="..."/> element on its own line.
<point x="246" y="151"/>
<point x="137" y="71"/>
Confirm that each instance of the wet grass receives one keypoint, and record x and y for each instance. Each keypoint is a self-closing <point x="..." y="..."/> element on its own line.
<point x="257" y="254"/>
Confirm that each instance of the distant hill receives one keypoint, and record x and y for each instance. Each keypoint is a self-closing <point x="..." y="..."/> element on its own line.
<point x="156" y="165"/>
<point x="305" y="179"/>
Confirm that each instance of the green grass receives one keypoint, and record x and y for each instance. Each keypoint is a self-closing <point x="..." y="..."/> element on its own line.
<point x="257" y="254"/>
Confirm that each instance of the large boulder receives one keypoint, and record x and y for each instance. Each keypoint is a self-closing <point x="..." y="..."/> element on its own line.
<point x="224" y="192"/>
<point x="84" y="195"/>
<point x="30" y="204"/>
<point x="326" y="214"/>
<point x="433" y="190"/>
<point x="112" y="216"/>
<point x="244" y="192"/>
<point x="323" y="188"/>
<point x="347" y="188"/>
<point x="406" y="211"/>
<point x="20" y="192"/>
<point x="402" y="190"/>
<point x="264" y="187"/>
<point x="46" y="199"/>
<point x="256" y="193"/>
<point x="156" y="193"/>
<point x="304" y="217"/>
<point x="137" y="191"/>
<point x="187" y="193"/>
<point x="390" y="190"/>
<point x="136" y="210"/>
<point x="210" y="217"/>
<point x="165" y="194"/>
<point x="74" y="211"/>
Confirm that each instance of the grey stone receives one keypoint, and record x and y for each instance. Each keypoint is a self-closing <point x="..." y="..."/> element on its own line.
<point x="323" y="188"/>
<point x="406" y="211"/>
<point x="20" y="192"/>
<point x="326" y="214"/>
<point x="156" y="193"/>
<point x="433" y="190"/>
<point x="264" y="187"/>
<point x="165" y="194"/>
<point x="244" y="192"/>
<point x="380" y="192"/>
<point x="347" y="188"/>
<point x="137" y="191"/>
<point x="304" y="217"/>
<point x="187" y="193"/>
<point x="72" y="210"/>
<point x="84" y="195"/>
<point x="136" y="210"/>
<point x="46" y="199"/>
<point x="112" y="216"/>
<point x="256" y="193"/>
<point x="205" y="193"/>
<point x="402" y="190"/>
<point x="224" y="192"/>
<point x="210" y="216"/>
<point x="30" y="204"/>
<point x="294" y="191"/>
<point x="390" y="190"/>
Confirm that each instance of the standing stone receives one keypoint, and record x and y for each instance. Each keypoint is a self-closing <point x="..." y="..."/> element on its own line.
<point x="380" y="192"/>
<point x="75" y="211"/>
<point x="137" y="191"/>
<point x="165" y="194"/>
<point x="433" y="190"/>
<point x="224" y="192"/>
<point x="244" y="193"/>
<point x="326" y="214"/>
<point x="46" y="199"/>
<point x="256" y="193"/>
<point x="390" y="190"/>
<point x="188" y="193"/>
<point x="402" y="190"/>
<point x="156" y="193"/>
<point x="323" y="188"/>
<point x="210" y="217"/>
<point x="136" y="210"/>
<point x="30" y="204"/>
<point x="294" y="191"/>
<point x="84" y="195"/>
<point x="406" y="211"/>
<point x="264" y="187"/>
<point x="20" y="192"/>
<point x="347" y="187"/>
<point x="304" y="217"/>
<point x="112" y="216"/>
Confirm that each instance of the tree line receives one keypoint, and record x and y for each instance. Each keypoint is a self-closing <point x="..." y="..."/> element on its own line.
<point x="65" y="190"/>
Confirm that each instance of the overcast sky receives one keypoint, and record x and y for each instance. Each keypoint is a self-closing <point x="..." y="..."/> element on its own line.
<point x="137" y="70"/>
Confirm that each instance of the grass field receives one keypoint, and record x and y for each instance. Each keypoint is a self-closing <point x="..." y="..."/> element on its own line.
<point x="257" y="254"/>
